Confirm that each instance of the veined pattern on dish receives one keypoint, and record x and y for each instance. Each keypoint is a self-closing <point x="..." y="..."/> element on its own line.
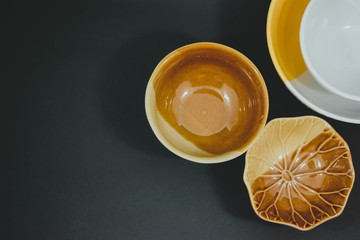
<point x="299" y="173"/>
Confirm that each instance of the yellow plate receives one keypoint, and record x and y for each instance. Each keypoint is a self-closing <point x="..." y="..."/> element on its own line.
<point x="283" y="27"/>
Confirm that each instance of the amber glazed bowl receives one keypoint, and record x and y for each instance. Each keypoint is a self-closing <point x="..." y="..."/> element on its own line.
<point x="299" y="172"/>
<point x="206" y="102"/>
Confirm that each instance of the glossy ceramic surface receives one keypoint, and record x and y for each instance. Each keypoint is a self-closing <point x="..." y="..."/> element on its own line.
<point x="206" y="102"/>
<point x="299" y="172"/>
<point x="330" y="44"/>
<point x="283" y="36"/>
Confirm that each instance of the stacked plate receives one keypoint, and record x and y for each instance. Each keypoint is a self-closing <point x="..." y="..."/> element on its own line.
<point x="315" y="47"/>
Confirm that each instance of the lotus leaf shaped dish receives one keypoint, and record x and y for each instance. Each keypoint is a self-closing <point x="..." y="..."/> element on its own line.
<point x="299" y="172"/>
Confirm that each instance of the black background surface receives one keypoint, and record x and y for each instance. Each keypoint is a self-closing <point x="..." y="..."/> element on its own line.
<point x="78" y="158"/>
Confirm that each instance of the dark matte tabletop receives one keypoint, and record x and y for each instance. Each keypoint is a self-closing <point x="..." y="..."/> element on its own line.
<point x="78" y="157"/>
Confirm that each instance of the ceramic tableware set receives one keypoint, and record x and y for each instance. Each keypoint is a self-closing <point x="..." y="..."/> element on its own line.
<point x="208" y="103"/>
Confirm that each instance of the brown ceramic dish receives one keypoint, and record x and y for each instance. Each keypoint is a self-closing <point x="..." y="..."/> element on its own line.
<point x="299" y="172"/>
<point x="206" y="102"/>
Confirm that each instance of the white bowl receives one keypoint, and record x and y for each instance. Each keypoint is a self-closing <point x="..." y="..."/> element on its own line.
<point x="330" y="44"/>
<point x="283" y="38"/>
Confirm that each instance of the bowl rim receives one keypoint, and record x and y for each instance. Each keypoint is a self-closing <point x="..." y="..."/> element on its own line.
<point x="309" y="63"/>
<point x="149" y="94"/>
